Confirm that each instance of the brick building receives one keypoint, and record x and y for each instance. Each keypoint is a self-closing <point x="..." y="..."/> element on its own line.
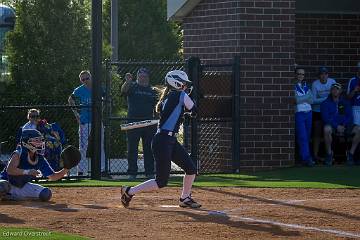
<point x="271" y="36"/>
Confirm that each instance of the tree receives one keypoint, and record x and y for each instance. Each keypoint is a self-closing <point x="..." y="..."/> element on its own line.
<point x="144" y="32"/>
<point x="48" y="48"/>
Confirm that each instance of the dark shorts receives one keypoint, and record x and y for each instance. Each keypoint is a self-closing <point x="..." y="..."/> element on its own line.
<point x="167" y="149"/>
<point x="317" y="125"/>
<point x="316" y="116"/>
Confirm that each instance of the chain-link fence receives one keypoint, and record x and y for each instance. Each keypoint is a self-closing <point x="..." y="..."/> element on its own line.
<point x="215" y="125"/>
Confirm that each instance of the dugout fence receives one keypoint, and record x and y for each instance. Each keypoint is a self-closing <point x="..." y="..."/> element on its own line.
<point x="216" y="131"/>
<point x="210" y="138"/>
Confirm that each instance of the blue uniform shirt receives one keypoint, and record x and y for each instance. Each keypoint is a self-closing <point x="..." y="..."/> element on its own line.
<point x="336" y="113"/>
<point x="82" y="96"/>
<point x="355" y="81"/>
<point x="20" y="181"/>
<point x="172" y="110"/>
<point x="141" y="101"/>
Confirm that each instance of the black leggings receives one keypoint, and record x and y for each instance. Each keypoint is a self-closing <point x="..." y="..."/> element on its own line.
<point x="166" y="149"/>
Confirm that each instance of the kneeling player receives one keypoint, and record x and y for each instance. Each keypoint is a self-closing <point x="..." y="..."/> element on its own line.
<point x="26" y="163"/>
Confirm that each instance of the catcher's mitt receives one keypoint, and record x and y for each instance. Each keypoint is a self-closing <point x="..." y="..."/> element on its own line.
<point x="70" y="157"/>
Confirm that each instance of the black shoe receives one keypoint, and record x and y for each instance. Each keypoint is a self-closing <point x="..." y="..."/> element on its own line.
<point x="132" y="177"/>
<point x="150" y="176"/>
<point x="329" y="160"/>
<point x="125" y="196"/>
<point x="189" y="202"/>
<point x="105" y="175"/>
<point x="309" y="163"/>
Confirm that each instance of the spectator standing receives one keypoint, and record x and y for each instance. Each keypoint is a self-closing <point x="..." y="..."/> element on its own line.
<point x="141" y="99"/>
<point x="320" y="91"/>
<point x="303" y="117"/>
<point x="82" y="96"/>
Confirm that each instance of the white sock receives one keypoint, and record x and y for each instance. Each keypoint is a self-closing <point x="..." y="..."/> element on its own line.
<point x="187" y="185"/>
<point x="149" y="185"/>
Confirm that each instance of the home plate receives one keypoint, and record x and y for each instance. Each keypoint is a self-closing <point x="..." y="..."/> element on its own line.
<point x="169" y="206"/>
<point x="217" y="213"/>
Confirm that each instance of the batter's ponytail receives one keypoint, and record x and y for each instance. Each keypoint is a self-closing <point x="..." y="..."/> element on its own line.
<point x="165" y="92"/>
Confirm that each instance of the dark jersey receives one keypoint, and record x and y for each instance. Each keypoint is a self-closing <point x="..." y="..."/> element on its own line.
<point x="172" y="110"/>
<point x="141" y="101"/>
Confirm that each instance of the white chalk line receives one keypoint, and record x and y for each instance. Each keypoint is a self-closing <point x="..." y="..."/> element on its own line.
<point x="288" y="225"/>
<point x="281" y="224"/>
<point x="297" y="226"/>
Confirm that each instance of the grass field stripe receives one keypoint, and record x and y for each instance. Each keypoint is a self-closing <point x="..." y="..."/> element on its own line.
<point x="288" y="225"/>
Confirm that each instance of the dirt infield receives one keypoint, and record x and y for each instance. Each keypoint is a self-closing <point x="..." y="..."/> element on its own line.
<point x="227" y="213"/>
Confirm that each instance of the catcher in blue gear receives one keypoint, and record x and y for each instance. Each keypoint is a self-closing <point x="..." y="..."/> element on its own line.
<point x="26" y="163"/>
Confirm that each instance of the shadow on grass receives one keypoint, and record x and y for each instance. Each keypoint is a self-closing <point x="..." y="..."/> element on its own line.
<point x="298" y="177"/>
<point x="341" y="175"/>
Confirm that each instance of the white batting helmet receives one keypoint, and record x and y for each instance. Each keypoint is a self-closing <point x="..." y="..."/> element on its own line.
<point x="177" y="79"/>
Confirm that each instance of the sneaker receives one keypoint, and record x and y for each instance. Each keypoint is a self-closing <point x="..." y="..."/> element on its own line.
<point x="350" y="159"/>
<point x="310" y="163"/>
<point x="188" y="202"/>
<point x="329" y="159"/>
<point x="125" y="196"/>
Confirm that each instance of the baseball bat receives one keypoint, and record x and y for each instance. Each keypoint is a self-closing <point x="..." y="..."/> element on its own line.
<point x="140" y="124"/>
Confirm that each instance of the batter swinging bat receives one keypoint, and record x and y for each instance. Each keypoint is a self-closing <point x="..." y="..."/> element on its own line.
<point x="140" y="124"/>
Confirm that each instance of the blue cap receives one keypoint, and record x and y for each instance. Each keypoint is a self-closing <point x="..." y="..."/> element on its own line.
<point x="336" y="85"/>
<point x="143" y="70"/>
<point x="323" y="70"/>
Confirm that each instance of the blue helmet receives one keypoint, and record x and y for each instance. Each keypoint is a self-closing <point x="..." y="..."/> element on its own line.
<point x="33" y="140"/>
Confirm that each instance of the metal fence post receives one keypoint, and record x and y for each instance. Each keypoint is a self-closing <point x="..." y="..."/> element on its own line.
<point x="96" y="15"/>
<point x="107" y="113"/>
<point x="236" y="115"/>
<point x="193" y="69"/>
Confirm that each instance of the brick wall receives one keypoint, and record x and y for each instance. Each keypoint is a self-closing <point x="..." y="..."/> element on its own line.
<point x="328" y="39"/>
<point x="262" y="33"/>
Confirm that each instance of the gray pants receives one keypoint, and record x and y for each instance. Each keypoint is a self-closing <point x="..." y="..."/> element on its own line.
<point x="28" y="191"/>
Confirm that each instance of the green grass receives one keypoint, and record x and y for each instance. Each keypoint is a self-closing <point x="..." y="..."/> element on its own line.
<point x="35" y="234"/>
<point x="317" y="177"/>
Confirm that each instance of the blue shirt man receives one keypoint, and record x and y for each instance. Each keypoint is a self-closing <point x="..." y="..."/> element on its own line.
<point x="337" y="116"/>
<point x="141" y="98"/>
<point x="82" y="96"/>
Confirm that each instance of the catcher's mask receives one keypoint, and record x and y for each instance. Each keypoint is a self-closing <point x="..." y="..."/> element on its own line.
<point x="177" y="80"/>
<point x="33" y="140"/>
